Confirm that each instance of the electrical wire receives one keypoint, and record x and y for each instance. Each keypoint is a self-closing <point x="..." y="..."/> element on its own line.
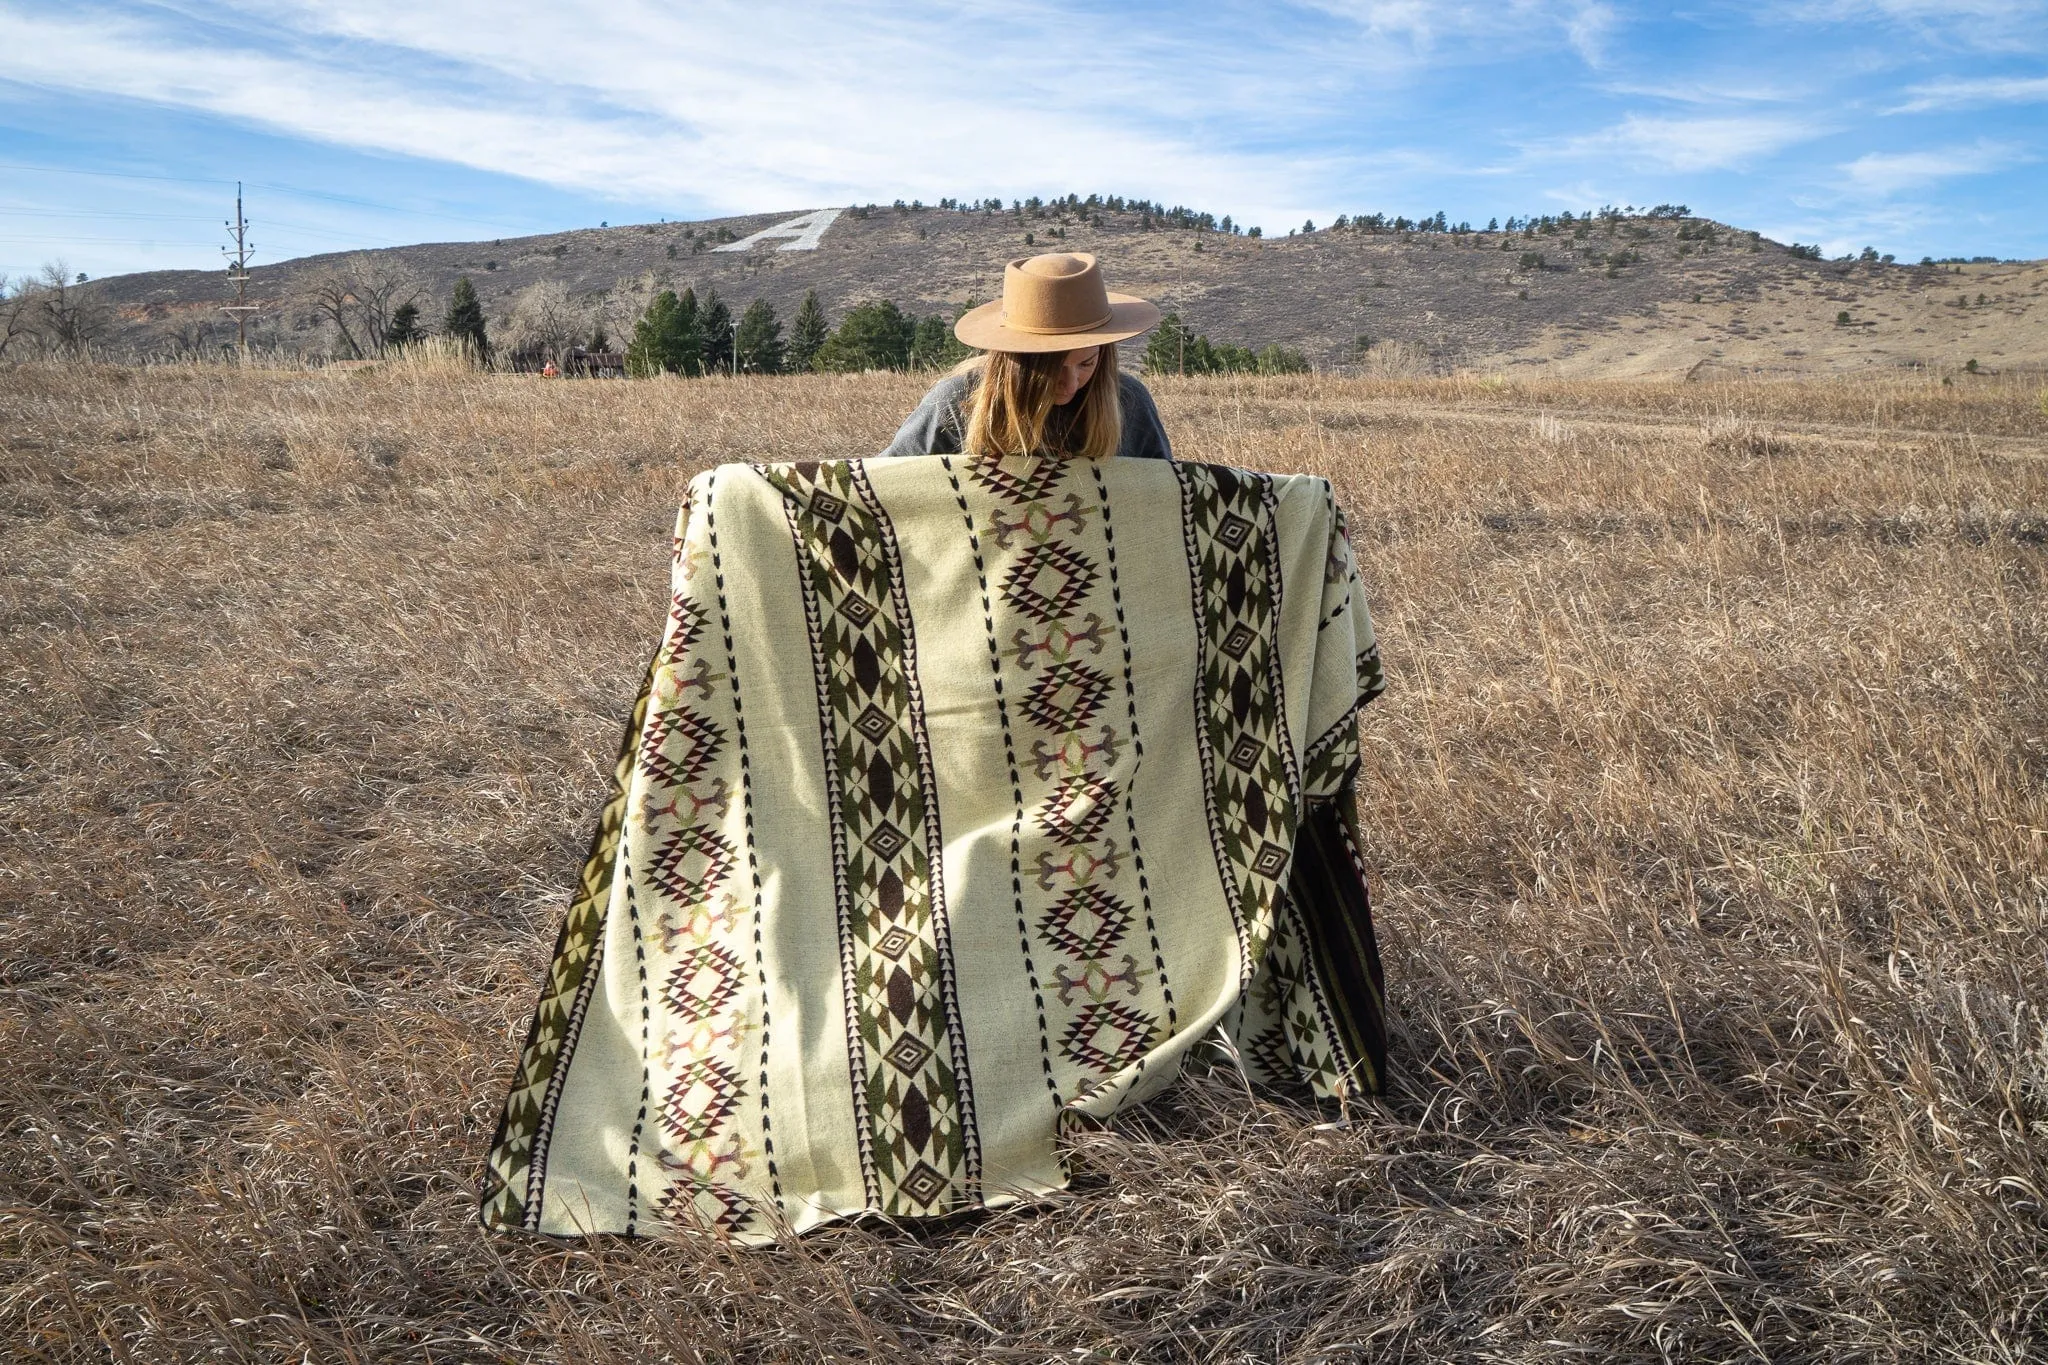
<point x="281" y="189"/>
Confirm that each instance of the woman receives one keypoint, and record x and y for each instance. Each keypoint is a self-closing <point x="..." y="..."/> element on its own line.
<point x="1048" y="381"/>
<point x="963" y="801"/>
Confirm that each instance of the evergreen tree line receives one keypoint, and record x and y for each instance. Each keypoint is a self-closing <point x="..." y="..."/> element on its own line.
<point x="1375" y="223"/>
<point x="1075" y="208"/>
<point x="1151" y="214"/>
<point x="680" y="334"/>
<point x="1175" y="349"/>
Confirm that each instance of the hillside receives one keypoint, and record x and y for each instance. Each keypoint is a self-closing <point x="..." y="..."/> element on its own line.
<point x="1638" y="296"/>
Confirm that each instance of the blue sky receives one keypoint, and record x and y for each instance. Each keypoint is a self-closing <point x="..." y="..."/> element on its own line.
<point x="1918" y="127"/>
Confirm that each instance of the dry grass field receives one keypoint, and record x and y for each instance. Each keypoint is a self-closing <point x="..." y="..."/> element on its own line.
<point x="1708" y="811"/>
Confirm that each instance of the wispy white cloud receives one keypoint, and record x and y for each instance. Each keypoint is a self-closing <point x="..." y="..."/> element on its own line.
<point x="1712" y="90"/>
<point x="1957" y="25"/>
<point x="735" y="107"/>
<point x="1945" y="11"/>
<point x="1424" y="26"/>
<point x="1271" y="113"/>
<point x="1973" y="91"/>
<point x="1588" y="30"/>
<point x="1887" y="173"/>
<point x="1693" y="144"/>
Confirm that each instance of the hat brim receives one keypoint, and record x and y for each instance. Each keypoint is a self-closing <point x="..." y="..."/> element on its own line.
<point x="983" y="329"/>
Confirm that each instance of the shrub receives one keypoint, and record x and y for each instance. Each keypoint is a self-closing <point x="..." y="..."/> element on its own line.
<point x="872" y="336"/>
<point x="1174" y="349"/>
<point x="1278" y="359"/>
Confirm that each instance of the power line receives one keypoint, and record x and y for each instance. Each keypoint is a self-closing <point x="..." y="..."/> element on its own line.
<point x="113" y="175"/>
<point x="282" y="189"/>
<point x="106" y="241"/>
<point x="306" y="228"/>
<point x="106" y="213"/>
<point x="393" y="208"/>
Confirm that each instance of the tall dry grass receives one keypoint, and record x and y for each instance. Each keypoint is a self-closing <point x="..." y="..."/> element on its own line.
<point x="1706" y="807"/>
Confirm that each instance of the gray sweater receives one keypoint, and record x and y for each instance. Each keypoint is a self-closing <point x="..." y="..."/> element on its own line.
<point x="940" y="422"/>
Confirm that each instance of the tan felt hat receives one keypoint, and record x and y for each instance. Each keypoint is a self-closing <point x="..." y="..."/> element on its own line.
<point x="1054" y="303"/>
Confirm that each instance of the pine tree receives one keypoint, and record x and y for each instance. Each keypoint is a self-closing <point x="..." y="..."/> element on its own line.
<point x="646" y="353"/>
<point x="934" y="346"/>
<point x="465" y="321"/>
<point x="807" y="335"/>
<point x="758" y="341"/>
<point x="404" y="328"/>
<point x="714" y="325"/>
<point x="684" y="341"/>
<point x="872" y="336"/>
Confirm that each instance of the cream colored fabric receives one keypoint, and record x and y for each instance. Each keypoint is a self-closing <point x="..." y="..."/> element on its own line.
<point x="960" y="800"/>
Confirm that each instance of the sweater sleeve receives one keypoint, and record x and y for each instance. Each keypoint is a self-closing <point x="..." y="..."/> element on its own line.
<point x="935" y="427"/>
<point x="1144" y="435"/>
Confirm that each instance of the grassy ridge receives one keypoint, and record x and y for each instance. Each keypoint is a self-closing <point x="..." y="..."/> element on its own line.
<point x="1708" y="808"/>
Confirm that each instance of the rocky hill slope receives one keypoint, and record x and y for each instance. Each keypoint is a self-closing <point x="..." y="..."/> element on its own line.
<point x="1632" y="295"/>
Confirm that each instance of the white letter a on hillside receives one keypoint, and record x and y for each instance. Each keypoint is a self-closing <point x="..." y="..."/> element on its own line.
<point x="806" y="229"/>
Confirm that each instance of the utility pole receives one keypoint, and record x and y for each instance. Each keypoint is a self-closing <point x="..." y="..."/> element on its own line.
<point x="238" y="271"/>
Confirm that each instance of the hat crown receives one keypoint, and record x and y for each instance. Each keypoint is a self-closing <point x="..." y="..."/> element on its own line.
<point x="1060" y="292"/>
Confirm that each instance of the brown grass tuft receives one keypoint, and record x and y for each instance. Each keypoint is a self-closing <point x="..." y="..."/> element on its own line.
<point x="1707" y="810"/>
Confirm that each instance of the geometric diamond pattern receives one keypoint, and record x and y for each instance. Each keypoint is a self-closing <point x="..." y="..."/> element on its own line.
<point x="1066" y="696"/>
<point x="1077" y="810"/>
<point x="1087" y="923"/>
<point x="704" y="1096"/>
<point x="704" y="982"/>
<point x="1246" y="755"/>
<point x="913" y="1114"/>
<point x="1055" y="624"/>
<point x="692" y="861"/>
<point x="720" y="1209"/>
<point x="1018" y="480"/>
<point x="692" y="963"/>
<point x="686" y="625"/>
<point x="678" y="745"/>
<point x="923" y="1184"/>
<point x="1233" y="531"/>
<point x="1059" y="602"/>
<point x="908" y="1053"/>
<point x="1048" y="581"/>
<point x="1108" y="1035"/>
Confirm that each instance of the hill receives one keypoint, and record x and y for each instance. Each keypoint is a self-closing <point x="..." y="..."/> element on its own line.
<point x="1635" y="295"/>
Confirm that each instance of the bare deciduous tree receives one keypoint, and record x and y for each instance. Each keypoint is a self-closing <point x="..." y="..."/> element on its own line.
<point x="18" y="315"/>
<point x="69" y="317"/>
<point x="333" y="296"/>
<point x="358" y="296"/>
<point x="380" y="286"/>
<point x="547" y="318"/>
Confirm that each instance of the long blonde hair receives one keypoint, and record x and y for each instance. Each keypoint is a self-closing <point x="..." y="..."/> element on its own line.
<point x="1012" y="410"/>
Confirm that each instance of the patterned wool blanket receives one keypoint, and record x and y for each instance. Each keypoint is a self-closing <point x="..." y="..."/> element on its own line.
<point x="962" y="799"/>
